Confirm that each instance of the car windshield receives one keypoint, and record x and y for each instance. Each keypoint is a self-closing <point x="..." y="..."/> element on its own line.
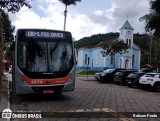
<point x="134" y="75"/>
<point x="119" y="73"/>
<point x="145" y="70"/>
<point x="108" y="70"/>
<point x="149" y="75"/>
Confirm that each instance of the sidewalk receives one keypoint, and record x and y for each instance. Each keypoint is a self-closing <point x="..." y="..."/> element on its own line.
<point x="4" y="94"/>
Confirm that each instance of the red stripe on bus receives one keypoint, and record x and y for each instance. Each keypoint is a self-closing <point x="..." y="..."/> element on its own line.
<point x="46" y="81"/>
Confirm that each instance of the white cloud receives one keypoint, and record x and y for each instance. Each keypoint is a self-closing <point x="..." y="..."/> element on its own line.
<point x="98" y="13"/>
<point x="49" y="14"/>
<point x="82" y="26"/>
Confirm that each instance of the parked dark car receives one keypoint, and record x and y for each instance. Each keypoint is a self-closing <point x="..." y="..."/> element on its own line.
<point x="98" y="75"/>
<point x="107" y="76"/>
<point x="120" y="77"/>
<point x="133" y="79"/>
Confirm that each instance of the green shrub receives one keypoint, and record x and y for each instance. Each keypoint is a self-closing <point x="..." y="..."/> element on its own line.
<point x="85" y="72"/>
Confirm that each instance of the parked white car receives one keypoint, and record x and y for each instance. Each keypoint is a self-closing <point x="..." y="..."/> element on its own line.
<point x="150" y="80"/>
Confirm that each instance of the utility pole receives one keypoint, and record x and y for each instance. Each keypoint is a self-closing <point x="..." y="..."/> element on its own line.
<point x="151" y="37"/>
<point x="87" y="66"/>
<point x="65" y="16"/>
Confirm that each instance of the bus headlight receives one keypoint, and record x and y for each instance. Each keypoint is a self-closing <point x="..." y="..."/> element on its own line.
<point x="70" y="80"/>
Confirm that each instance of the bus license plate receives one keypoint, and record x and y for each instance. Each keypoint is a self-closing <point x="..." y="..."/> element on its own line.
<point x="48" y="91"/>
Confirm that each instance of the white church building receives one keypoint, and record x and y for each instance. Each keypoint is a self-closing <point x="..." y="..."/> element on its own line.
<point x="91" y="57"/>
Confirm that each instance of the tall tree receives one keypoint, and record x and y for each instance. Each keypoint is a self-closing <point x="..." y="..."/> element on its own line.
<point x="114" y="47"/>
<point x="66" y="3"/>
<point x="8" y="30"/>
<point x="152" y="19"/>
<point x="155" y="52"/>
<point x="11" y="6"/>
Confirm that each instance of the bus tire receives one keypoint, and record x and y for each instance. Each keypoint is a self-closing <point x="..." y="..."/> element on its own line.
<point x="57" y="93"/>
<point x="118" y="83"/>
<point x="13" y="88"/>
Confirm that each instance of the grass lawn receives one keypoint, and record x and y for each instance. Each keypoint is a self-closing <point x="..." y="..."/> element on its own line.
<point x="84" y="72"/>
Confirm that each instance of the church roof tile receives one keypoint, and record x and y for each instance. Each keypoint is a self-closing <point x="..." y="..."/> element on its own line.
<point x="127" y="25"/>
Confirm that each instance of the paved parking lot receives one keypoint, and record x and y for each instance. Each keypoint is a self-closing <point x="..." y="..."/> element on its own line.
<point x="91" y="96"/>
<point x="122" y="98"/>
<point x="91" y="101"/>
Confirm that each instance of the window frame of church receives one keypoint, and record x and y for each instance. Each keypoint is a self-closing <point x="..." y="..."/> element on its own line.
<point x="133" y="58"/>
<point x="126" y="63"/>
<point x="86" y="58"/>
<point x="129" y="42"/>
<point x="112" y="59"/>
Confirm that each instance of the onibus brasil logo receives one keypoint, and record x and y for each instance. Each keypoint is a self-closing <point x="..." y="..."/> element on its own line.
<point x="7" y="114"/>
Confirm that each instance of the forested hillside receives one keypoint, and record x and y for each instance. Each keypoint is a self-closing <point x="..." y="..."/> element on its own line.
<point x="95" y="39"/>
<point x="139" y="39"/>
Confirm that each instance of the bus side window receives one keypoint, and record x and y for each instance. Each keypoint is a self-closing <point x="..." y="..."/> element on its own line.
<point x="22" y="55"/>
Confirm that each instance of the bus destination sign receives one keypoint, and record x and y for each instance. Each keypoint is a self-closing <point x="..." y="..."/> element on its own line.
<point x="45" y="34"/>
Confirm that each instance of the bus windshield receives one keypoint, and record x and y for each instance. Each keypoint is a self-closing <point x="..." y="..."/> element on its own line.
<point x="36" y="55"/>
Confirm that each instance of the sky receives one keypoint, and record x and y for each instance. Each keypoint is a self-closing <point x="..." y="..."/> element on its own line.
<point x="84" y="19"/>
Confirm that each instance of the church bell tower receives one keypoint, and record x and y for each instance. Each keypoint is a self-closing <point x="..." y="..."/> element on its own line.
<point x="126" y="33"/>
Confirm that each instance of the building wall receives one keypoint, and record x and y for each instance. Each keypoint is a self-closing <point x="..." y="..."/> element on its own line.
<point x="98" y="62"/>
<point x="81" y="58"/>
<point x="97" y="59"/>
<point x="136" y="64"/>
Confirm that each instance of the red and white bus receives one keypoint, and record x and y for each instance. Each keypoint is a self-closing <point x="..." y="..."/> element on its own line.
<point x="43" y="62"/>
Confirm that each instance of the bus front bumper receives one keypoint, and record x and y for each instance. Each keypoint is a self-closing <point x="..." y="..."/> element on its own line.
<point x="24" y="88"/>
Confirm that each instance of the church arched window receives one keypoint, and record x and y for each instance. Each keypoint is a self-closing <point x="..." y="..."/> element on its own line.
<point x="126" y="63"/>
<point x="133" y="57"/>
<point x="86" y="59"/>
<point x="129" y="41"/>
<point x="112" y="59"/>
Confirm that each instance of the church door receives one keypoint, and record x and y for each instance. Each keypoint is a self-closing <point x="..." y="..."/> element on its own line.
<point x="127" y="63"/>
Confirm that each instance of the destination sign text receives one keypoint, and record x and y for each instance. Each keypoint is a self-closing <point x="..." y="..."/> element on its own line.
<point x="45" y="34"/>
